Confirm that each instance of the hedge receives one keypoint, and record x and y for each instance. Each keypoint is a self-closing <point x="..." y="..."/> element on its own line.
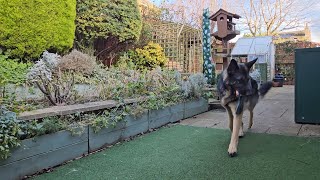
<point x="28" y="27"/>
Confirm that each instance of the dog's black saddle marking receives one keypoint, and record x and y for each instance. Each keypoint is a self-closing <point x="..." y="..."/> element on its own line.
<point x="240" y="105"/>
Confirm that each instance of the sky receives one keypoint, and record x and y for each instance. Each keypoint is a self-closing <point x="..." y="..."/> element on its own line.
<point x="315" y="22"/>
<point x="313" y="16"/>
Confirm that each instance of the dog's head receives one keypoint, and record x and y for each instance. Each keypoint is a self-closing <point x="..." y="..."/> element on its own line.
<point x="239" y="78"/>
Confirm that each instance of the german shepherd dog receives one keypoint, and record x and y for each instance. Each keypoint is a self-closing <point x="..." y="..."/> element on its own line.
<point x="239" y="92"/>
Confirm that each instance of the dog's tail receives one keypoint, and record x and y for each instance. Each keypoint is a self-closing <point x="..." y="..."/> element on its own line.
<point x="264" y="88"/>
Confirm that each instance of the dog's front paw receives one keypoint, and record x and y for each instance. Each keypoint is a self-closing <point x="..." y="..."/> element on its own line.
<point x="232" y="150"/>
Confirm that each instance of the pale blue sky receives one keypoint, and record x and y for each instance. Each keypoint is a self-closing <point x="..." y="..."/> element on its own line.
<point x="313" y="16"/>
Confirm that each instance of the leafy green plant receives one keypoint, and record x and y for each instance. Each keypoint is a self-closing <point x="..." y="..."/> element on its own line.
<point x="9" y="132"/>
<point x="110" y="118"/>
<point x="48" y="125"/>
<point x="30" y="27"/>
<point x="10" y="101"/>
<point x="12" y="71"/>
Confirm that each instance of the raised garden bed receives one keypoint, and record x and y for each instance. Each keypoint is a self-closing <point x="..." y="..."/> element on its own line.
<point x="43" y="152"/>
<point x="50" y="150"/>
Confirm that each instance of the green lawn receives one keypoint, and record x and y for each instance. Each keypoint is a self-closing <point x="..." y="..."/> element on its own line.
<point x="183" y="152"/>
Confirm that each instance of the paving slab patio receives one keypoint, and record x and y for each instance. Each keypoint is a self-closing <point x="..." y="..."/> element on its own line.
<point x="273" y="115"/>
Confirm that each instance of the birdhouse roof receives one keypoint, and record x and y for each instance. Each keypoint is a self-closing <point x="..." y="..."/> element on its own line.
<point x="222" y="11"/>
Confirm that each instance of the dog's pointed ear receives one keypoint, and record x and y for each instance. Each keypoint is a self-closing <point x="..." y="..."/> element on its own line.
<point x="233" y="66"/>
<point x="251" y="63"/>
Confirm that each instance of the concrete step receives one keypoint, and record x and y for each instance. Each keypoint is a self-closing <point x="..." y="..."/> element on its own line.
<point x="214" y="104"/>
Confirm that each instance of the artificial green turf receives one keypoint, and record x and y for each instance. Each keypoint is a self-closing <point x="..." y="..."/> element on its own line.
<point x="183" y="152"/>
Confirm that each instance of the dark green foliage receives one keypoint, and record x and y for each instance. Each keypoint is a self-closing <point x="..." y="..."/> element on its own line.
<point x="106" y="25"/>
<point x="48" y="125"/>
<point x="9" y="129"/>
<point x="146" y="35"/>
<point x="103" y="19"/>
<point x="30" y="27"/>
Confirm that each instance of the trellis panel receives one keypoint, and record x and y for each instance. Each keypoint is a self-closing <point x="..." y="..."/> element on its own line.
<point x="182" y="45"/>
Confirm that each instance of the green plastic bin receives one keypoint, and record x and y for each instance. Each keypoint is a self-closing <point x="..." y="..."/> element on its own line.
<point x="307" y="86"/>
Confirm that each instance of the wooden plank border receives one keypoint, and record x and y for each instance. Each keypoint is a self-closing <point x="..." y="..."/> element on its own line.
<point x="72" y="109"/>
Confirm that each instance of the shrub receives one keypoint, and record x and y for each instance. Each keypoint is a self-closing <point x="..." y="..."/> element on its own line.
<point x="150" y="56"/>
<point x="11" y="71"/>
<point x="30" y="27"/>
<point x="55" y="85"/>
<point x="44" y="67"/>
<point x="121" y="84"/>
<point x="193" y="86"/>
<point x="102" y="19"/>
<point x="125" y="62"/>
<point x="107" y="25"/>
<point x="78" y="62"/>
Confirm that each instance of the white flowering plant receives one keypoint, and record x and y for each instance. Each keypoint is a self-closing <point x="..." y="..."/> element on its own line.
<point x="44" y="67"/>
<point x="54" y="84"/>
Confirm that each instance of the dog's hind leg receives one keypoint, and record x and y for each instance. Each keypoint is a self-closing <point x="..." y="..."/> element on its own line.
<point x="251" y="119"/>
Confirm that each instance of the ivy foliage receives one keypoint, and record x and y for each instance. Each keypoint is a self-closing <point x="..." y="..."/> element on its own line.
<point x="9" y="132"/>
<point x="30" y="27"/>
<point x="107" y="19"/>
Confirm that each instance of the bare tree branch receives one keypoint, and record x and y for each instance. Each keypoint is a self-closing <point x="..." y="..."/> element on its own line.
<point x="187" y="11"/>
<point x="270" y="17"/>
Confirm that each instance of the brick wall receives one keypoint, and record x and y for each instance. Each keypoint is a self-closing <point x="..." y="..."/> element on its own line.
<point x="285" y="58"/>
